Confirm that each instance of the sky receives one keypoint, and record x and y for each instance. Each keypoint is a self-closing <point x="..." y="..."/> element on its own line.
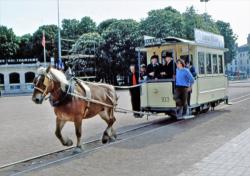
<point x="25" y="16"/>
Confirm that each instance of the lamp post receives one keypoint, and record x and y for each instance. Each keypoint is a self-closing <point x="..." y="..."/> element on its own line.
<point x="205" y="4"/>
<point x="59" y="35"/>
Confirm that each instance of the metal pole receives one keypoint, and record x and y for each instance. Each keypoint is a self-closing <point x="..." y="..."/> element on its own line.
<point x="59" y="34"/>
<point x="44" y="52"/>
<point x="139" y="62"/>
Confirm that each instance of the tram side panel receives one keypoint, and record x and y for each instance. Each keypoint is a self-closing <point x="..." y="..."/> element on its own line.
<point x="211" y="88"/>
<point x="157" y="97"/>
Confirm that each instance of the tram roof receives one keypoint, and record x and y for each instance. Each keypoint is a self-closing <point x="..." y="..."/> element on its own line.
<point x="176" y="40"/>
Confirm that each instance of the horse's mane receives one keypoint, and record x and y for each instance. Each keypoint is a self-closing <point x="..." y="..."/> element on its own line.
<point x="59" y="76"/>
<point x="55" y="75"/>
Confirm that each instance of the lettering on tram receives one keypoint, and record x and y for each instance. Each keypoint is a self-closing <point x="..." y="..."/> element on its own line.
<point x="197" y="81"/>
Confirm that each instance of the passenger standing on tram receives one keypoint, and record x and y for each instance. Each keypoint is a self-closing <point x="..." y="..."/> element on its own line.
<point x="192" y="70"/>
<point x="184" y="80"/>
<point x="133" y="80"/>
<point x="143" y="73"/>
<point x="154" y="68"/>
<point x="168" y="69"/>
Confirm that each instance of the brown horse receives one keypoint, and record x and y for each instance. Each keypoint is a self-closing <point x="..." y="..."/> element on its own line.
<point x="67" y="107"/>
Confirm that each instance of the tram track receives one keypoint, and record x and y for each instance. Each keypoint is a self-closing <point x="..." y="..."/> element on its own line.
<point x="55" y="157"/>
<point x="45" y="160"/>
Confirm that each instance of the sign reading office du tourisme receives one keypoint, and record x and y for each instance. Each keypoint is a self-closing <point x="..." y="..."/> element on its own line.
<point x="208" y="39"/>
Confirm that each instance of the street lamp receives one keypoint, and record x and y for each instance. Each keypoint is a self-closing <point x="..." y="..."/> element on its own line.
<point x="205" y="4"/>
<point x="59" y="36"/>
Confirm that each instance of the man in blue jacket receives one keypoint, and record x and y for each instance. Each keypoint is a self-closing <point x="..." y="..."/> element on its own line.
<point x="184" y="80"/>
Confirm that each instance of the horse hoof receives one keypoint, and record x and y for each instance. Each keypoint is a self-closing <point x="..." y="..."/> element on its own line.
<point x="105" y="139"/>
<point x="77" y="150"/>
<point x="115" y="136"/>
<point x="69" y="143"/>
<point x="112" y="139"/>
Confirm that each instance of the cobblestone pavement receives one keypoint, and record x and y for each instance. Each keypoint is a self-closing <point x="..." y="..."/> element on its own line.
<point x="232" y="159"/>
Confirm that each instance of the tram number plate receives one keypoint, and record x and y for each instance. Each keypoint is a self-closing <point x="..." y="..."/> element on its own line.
<point x="165" y="99"/>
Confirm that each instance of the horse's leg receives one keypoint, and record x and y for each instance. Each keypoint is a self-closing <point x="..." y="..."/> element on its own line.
<point x="114" y="119"/>
<point x="109" y="132"/>
<point x="78" y="130"/>
<point x="59" y="125"/>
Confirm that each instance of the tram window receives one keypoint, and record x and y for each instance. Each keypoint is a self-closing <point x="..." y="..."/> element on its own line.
<point x="221" y="64"/>
<point x="186" y="58"/>
<point x="215" y="64"/>
<point x="208" y="64"/>
<point x="201" y="59"/>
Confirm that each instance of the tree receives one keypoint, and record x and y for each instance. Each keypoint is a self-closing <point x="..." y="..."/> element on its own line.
<point x="86" y="25"/>
<point x="121" y="38"/>
<point x="70" y="28"/>
<point x="87" y="43"/>
<point x="8" y="42"/>
<point x="229" y="38"/>
<point x="51" y="41"/>
<point x="105" y="24"/>
<point x="162" y="23"/>
<point x="194" y="20"/>
<point x="25" y="47"/>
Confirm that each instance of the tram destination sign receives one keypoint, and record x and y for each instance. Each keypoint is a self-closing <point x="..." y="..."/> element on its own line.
<point x="151" y="41"/>
<point x="208" y="39"/>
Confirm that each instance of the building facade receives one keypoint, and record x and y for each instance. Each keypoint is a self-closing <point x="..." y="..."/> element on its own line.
<point x="241" y="63"/>
<point x="17" y="75"/>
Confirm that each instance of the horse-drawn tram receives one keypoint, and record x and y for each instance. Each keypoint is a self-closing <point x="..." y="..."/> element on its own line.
<point x="207" y="55"/>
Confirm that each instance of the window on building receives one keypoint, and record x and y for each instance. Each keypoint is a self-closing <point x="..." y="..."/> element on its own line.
<point x="29" y="77"/>
<point x="208" y="63"/>
<point x="215" y="64"/>
<point x="201" y="59"/>
<point x="220" y="64"/>
<point x="14" y="78"/>
<point x="1" y="78"/>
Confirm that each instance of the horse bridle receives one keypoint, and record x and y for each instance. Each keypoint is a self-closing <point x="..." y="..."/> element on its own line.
<point x="46" y="82"/>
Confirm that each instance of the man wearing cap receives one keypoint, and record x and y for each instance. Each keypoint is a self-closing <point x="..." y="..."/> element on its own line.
<point x="154" y="68"/>
<point x="169" y="68"/>
<point x="143" y="72"/>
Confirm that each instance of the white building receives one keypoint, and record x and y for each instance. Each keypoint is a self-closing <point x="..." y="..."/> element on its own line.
<point x="241" y="63"/>
<point x="16" y="75"/>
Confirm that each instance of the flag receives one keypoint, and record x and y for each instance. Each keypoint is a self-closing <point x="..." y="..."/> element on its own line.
<point x="43" y="39"/>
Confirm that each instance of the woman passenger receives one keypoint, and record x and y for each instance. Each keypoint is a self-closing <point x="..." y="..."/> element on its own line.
<point x="184" y="80"/>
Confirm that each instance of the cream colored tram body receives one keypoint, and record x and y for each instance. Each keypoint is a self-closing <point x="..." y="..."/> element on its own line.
<point x="210" y="86"/>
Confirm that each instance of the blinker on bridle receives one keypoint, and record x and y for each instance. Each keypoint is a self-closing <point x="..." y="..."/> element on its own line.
<point x="46" y="84"/>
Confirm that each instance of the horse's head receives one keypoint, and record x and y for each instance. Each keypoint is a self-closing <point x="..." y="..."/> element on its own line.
<point x="43" y="84"/>
<point x="47" y="81"/>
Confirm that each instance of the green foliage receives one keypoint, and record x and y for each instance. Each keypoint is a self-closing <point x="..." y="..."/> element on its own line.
<point x="50" y="36"/>
<point x="25" y="47"/>
<point x="194" y="20"/>
<point x="86" y="25"/>
<point x="121" y="37"/>
<point x="70" y="29"/>
<point x="105" y="24"/>
<point x="163" y="23"/>
<point x="230" y="40"/>
<point x="8" y="43"/>
<point x="87" y="43"/>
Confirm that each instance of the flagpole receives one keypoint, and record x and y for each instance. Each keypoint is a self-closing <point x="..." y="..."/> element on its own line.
<point x="44" y="52"/>
<point x="59" y="35"/>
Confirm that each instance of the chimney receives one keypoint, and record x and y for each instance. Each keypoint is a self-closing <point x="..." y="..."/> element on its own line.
<point x="248" y="39"/>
